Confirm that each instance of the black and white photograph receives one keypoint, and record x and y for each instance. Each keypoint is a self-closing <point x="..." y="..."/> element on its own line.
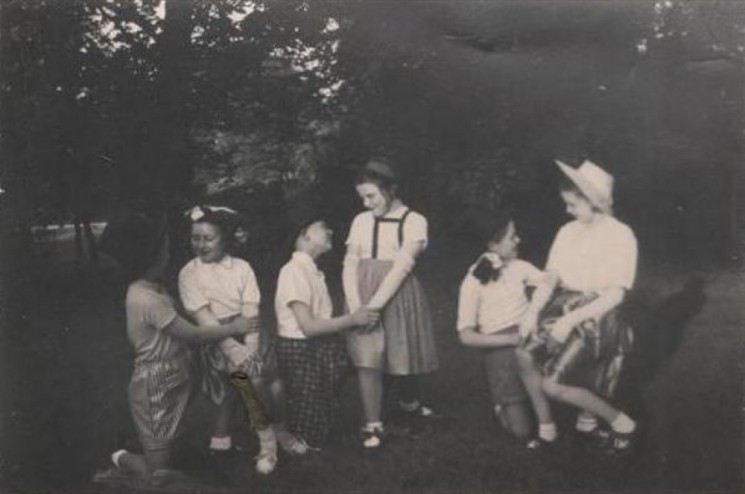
<point x="372" y="246"/>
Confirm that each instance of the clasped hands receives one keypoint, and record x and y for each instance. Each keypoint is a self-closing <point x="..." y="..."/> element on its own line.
<point x="366" y="319"/>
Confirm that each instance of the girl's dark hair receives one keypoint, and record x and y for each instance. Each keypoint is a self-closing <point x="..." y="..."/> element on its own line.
<point x="380" y="173"/>
<point x="484" y="270"/>
<point x="133" y="240"/>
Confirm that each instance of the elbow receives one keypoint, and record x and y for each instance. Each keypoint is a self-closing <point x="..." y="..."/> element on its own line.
<point x="465" y="338"/>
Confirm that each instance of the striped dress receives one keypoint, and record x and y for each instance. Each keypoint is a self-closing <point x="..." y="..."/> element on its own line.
<point x="160" y="386"/>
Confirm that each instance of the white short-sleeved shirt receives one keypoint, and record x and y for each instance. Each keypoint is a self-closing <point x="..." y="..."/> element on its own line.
<point x="499" y="304"/>
<point x="363" y="226"/>
<point x="300" y="280"/>
<point x="149" y="311"/>
<point x="593" y="257"/>
<point x="227" y="287"/>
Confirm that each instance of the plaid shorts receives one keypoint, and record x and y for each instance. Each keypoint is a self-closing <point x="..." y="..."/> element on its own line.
<point x="312" y="371"/>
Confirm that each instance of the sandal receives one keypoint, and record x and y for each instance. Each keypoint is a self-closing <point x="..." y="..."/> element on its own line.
<point x="292" y="444"/>
<point x="420" y="412"/>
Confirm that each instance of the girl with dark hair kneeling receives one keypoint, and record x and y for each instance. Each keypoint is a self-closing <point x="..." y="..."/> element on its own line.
<point x="491" y="308"/>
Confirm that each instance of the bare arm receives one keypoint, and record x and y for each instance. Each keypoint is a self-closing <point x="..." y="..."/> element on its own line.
<point x="608" y="299"/>
<point x="542" y="294"/>
<point x="402" y="266"/>
<point x="184" y="330"/>
<point x="470" y="337"/>
<point x="349" y="277"/>
<point x="313" y="326"/>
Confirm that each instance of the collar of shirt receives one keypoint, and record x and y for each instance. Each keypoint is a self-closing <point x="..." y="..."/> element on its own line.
<point x="305" y="260"/>
<point x="226" y="262"/>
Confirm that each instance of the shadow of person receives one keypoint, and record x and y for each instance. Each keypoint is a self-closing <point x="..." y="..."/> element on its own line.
<point x="659" y="330"/>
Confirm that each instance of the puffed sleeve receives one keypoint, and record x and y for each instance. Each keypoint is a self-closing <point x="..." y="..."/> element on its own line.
<point x="530" y="274"/>
<point x="559" y="251"/>
<point x="292" y="286"/>
<point x="622" y="253"/>
<point x="251" y="296"/>
<point x="192" y="297"/>
<point x="354" y="232"/>
<point x="415" y="228"/>
<point x="468" y="303"/>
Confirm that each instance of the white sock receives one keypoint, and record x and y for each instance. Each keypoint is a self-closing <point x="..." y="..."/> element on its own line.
<point x="221" y="443"/>
<point x="586" y="422"/>
<point x="116" y="455"/>
<point x="623" y="424"/>
<point x="547" y="432"/>
<point x="410" y="406"/>
<point x="373" y="426"/>
<point x="267" y="440"/>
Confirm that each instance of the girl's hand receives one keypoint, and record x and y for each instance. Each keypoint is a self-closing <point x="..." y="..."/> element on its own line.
<point x="528" y="323"/>
<point x="560" y="329"/>
<point x="365" y="316"/>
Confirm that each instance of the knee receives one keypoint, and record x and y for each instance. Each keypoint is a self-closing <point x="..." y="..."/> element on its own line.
<point x="524" y="360"/>
<point x="552" y="388"/>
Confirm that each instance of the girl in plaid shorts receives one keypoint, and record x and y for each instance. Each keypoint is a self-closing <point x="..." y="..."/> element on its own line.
<point x="312" y="356"/>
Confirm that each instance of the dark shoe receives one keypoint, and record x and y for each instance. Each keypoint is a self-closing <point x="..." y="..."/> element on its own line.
<point x="420" y="412"/>
<point x="620" y="444"/>
<point x="597" y="439"/>
<point x="538" y="444"/>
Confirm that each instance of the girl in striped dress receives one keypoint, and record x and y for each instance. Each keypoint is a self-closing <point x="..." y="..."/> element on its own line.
<point x="383" y="245"/>
<point x="160" y="386"/>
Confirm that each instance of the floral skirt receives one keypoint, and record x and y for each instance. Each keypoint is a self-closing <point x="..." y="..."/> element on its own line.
<point x="592" y="356"/>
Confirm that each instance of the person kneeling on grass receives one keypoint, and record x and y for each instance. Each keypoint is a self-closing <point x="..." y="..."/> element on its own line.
<point x="161" y="382"/>
<point x="491" y="307"/>
<point x="311" y="352"/>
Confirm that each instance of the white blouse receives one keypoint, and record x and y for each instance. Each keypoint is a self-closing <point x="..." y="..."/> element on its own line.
<point x="594" y="257"/>
<point x="362" y="232"/>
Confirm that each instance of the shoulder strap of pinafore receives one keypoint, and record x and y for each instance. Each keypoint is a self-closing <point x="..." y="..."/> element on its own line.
<point x="376" y="230"/>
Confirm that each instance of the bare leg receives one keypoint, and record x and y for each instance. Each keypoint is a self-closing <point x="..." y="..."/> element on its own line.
<point x="224" y="414"/>
<point x="408" y="389"/>
<point x="371" y="392"/>
<point x="581" y="398"/>
<point x="532" y="379"/>
<point x="516" y="419"/>
<point x="133" y="464"/>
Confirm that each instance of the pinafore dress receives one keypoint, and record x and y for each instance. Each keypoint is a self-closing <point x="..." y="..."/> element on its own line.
<point x="403" y="343"/>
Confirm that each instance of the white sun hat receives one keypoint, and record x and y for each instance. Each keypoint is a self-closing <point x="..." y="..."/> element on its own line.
<point x="594" y="182"/>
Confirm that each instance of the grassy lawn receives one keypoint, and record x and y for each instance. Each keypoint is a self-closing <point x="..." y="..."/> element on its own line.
<point x="69" y="363"/>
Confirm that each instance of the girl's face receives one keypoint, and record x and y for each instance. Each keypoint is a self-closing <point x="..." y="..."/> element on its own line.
<point x="207" y="242"/>
<point x="374" y="199"/>
<point x="319" y="235"/>
<point x="578" y="206"/>
<point x="506" y="247"/>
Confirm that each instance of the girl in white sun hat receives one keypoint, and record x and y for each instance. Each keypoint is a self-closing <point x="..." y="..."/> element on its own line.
<point x="576" y="347"/>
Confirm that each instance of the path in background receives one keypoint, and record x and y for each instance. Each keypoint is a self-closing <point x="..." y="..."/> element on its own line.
<point x="68" y="364"/>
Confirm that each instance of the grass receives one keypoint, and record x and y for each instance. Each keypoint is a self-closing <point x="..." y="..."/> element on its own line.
<point x="65" y="409"/>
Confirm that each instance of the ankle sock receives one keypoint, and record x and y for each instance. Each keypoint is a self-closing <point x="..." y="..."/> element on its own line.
<point x="410" y="406"/>
<point x="267" y="440"/>
<point x="373" y="426"/>
<point x="547" y="432"/>
<point x="586" y="422"/>
<point x="221" y="443"/>
<point x="116" y="455"/>
<point x="623" y="424"/>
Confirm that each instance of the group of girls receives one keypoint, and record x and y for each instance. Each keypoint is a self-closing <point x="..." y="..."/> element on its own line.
<point x="565" y="342"/>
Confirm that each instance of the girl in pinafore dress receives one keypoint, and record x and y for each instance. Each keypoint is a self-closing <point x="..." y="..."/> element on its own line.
<point x="575" y="351"/>
<point x="492" y="307"/>
<point x="160" y="386"/>
<point x="383" y="245"/>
